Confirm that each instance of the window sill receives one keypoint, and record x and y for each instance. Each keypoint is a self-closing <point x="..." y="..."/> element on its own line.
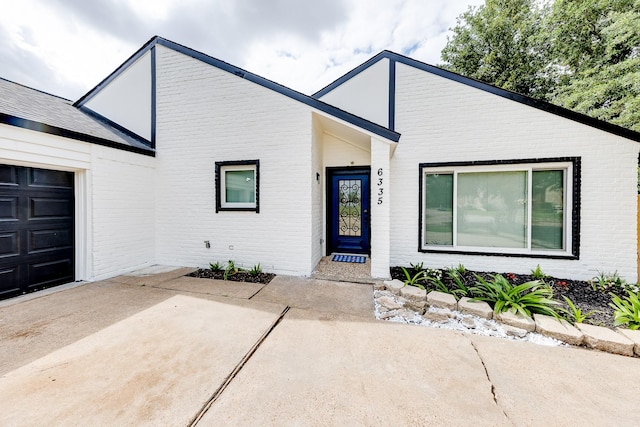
<point x="497" y="252"/>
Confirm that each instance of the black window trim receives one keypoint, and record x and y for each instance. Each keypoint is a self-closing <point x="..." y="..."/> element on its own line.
<point x="218" y="180"/>
<point x="575" y="209"/>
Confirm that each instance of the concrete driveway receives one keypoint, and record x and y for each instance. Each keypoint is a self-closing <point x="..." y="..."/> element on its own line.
<point x="170" y="350"/>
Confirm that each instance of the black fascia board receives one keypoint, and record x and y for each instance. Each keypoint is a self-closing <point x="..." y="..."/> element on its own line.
<point x="66" y="133"/>
<point x="468" y="81"/>
<point x="288" y="92"/>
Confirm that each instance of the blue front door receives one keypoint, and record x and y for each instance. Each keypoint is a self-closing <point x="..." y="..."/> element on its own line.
<point x="348" y="211"/>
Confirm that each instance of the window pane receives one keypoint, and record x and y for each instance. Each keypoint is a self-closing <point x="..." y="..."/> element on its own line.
<point x="438" y="206"/>
<point x="240" y="186"/>
<point x="547" y="206"/>
<point x="492" y="209"/>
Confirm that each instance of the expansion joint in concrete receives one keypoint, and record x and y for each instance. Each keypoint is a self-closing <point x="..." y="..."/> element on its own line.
<point x="237" y="369"/>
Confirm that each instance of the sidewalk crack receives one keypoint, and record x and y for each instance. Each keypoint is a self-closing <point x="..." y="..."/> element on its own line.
<point x="493" y="387"/>
<point x="237" y="369"/>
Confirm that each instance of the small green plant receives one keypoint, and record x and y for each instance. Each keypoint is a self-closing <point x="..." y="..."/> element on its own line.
<point x="461" y="289"/>
<point x="256" y="270"/>
<point x="527" y="298"/>
<point x="461" y="269"/>
<point x="415" y="279"/>
<point x="230" y="270"/>
<point x="419" y="266"/>
<point x="627" y="310"/>
<point x="215" y="266"/>
<point x="575" y="314"/>
<point x="538" y="274"/>
<point x="606" y="281"/>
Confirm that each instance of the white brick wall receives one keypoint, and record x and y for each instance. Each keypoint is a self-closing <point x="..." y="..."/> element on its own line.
<point x="123" y="211"/>
<point x="443" y="121"/>
<point x="206" y="115"/>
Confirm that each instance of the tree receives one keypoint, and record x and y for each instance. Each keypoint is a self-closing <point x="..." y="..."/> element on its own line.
<point x="498" y="43"/>
<point x="580" y="54"/>
<point x="605" y="78"/>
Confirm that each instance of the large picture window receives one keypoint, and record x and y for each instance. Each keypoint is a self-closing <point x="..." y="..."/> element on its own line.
<point x="509" y="207"/>
<point x="237" y="185"/>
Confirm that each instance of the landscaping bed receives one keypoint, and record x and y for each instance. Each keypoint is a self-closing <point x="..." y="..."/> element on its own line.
<point x="586" y="295"/>
<point x="239" y="276"/>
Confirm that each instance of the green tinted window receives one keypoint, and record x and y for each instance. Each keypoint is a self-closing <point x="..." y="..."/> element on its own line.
<point x="438" y="224"/>
<point x="547" y="204"/>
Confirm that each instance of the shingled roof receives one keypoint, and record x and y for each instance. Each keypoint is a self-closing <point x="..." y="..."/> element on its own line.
<point x="35" y="110"/>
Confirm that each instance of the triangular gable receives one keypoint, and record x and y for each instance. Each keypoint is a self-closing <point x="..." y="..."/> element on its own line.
<point x="104" y="92"/>
<point x="339" y="92"/>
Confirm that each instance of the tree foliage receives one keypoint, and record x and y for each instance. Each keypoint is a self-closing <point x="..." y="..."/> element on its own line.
<point x="580" y="54"/>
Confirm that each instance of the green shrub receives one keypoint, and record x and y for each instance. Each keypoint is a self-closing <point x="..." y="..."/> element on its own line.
<point x="527" y="298"/>
<point x="627" y="310"/>
<point x="216" y="266"/>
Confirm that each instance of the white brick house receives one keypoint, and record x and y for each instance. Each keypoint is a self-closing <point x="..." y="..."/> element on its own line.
<point x="176" y="148"/>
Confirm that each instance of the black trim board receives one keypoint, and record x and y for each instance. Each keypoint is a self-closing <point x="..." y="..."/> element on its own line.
<point x="392" y="94"/>
<point x="153" y="97"/>
<point x="522" y="99"/>
<point x="575" y="211"/>
<point x="222" y="164"/>
<point x="66" y="133"/>
<point x="290" y="93"/>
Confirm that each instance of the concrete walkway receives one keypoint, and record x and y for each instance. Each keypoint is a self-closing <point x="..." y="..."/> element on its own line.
<point x="164" y="349"/>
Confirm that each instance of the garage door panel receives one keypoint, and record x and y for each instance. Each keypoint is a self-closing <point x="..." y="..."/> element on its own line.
<point x="52" y="239"/>
<point x="47" y="178"/>
<point x="8" y="208"/>
<point x="45" y="208"/>
<point x="50" y="273"/>
<point x="8" y="175"/>
<point x="9" y="244"/>
<point x="9" y="282"/>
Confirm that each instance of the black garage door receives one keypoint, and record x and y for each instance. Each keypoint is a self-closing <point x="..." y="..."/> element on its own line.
<point x="36" y="229"/>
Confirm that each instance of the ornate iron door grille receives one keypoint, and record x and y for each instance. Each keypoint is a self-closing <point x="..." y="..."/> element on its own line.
<point x="350" y="207"/>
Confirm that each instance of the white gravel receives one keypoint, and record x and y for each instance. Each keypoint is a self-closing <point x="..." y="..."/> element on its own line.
<point x="477" y="325"/>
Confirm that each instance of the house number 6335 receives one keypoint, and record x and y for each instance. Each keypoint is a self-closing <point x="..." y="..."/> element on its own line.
<point x="380" y="185"/>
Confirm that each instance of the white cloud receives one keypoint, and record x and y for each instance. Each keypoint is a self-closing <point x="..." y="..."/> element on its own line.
<point x="68" y="46"/>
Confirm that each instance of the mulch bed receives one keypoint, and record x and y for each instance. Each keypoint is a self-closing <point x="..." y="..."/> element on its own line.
<point x="580" y="292"/>
<point x="240" y="276"/>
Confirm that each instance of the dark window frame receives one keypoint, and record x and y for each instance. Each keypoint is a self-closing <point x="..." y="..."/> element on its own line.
<point x="219" y="166"/>
<point x="573" y="221"/>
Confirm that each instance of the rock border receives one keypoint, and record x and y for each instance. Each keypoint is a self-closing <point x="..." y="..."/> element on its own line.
<point x="399" y="302"/>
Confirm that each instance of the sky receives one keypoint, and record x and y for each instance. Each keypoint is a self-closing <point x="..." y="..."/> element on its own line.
<point x="66" y="47"/>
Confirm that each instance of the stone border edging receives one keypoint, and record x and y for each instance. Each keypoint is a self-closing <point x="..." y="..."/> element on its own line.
<point x="625" y="342"/>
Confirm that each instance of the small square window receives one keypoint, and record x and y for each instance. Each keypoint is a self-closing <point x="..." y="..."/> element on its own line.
<point x="237" y="185"/>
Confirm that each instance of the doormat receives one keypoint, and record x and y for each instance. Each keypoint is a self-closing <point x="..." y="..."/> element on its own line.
<point x="349" y="258"/>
